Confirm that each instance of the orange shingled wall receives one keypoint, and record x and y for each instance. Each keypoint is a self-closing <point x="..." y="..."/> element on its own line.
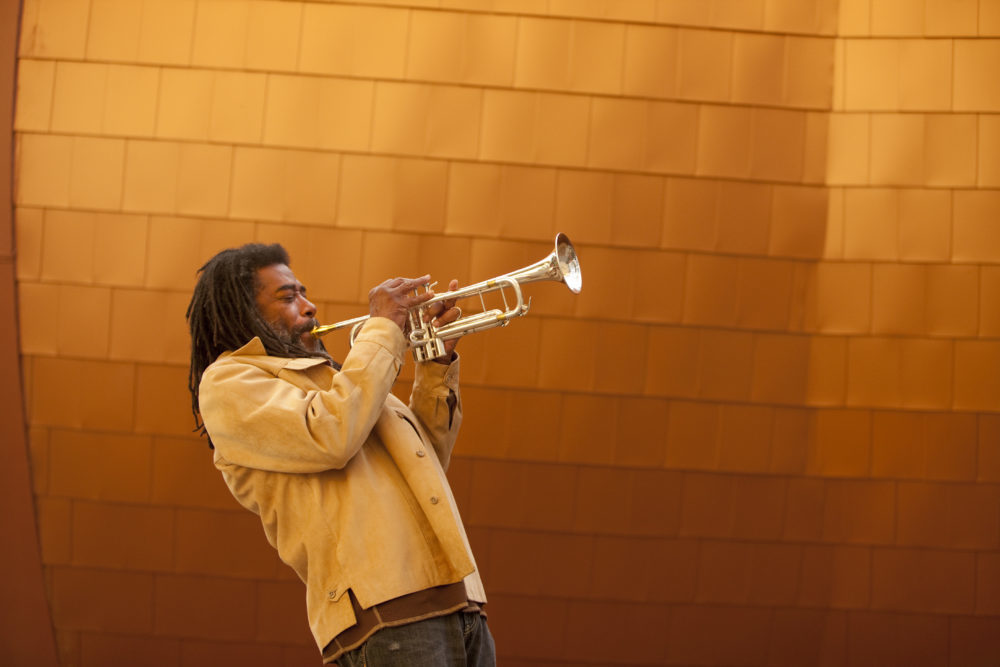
<point x="766" y="433"/>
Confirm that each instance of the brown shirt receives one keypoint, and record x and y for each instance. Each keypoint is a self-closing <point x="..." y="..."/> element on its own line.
<point x="348" y="480"/>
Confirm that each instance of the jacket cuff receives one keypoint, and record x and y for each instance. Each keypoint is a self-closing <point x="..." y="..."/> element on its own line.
<point x="446" y="375"/>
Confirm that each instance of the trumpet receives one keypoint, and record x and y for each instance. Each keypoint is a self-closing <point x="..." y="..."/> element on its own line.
<point x="427" y="341"/>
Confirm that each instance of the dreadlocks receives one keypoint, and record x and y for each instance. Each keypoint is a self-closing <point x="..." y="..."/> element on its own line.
<point x="223" y="315"/>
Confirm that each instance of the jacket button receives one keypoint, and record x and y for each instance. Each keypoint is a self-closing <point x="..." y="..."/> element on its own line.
<point x="434" y="500"/>
<point x="332" y="595"/>
<point x="421" y="453"/>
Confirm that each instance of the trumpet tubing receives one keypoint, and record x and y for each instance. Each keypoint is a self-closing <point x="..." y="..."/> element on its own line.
<point x="427" y="341"/>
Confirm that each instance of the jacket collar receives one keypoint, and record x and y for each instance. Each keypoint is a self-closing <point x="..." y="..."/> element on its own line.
<point x="255" y="348"/>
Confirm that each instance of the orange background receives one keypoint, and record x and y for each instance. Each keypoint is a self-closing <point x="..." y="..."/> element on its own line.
<point x="766" y="433"/>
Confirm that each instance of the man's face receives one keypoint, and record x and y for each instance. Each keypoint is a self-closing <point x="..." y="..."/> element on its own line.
<point x="282" y="302"/>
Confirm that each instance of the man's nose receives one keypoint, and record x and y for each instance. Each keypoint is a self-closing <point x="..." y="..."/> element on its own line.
<point x="306" y="307"/>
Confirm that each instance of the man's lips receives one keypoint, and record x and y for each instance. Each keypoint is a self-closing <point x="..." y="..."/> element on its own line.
<point x="301" y="330"/>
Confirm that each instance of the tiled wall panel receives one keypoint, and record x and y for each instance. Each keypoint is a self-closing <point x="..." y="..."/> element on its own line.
<point x="767" y="430"/>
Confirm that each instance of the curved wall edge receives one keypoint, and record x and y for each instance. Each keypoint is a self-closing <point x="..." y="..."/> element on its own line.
<point x="26" y="634"/>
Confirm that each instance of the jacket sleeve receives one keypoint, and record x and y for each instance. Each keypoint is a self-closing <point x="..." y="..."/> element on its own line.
<point x="437" y="403"/>
<point x="259" y="420"/>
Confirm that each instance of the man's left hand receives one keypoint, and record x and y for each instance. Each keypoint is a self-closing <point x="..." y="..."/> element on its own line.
<point x="442" y="313"/>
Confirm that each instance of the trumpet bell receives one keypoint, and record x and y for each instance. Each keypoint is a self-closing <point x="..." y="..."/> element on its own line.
<point x="561" y="265"/>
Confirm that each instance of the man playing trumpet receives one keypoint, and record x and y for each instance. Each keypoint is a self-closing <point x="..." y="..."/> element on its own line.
<point x="348" y="480"/>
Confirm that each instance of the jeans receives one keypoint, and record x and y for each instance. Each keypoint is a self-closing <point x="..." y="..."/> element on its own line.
<point x="457" y="640"/>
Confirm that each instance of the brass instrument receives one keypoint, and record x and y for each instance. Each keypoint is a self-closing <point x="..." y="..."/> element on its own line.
<point x="427" y="341"/>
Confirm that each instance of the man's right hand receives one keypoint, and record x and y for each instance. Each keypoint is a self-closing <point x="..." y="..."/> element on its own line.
<point x="394" y="298"/>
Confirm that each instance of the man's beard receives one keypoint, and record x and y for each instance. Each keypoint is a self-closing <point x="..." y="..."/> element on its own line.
<point x="292" y="339"/>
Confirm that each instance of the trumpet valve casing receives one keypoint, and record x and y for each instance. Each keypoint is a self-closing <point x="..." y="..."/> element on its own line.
<point x="425" y="344"/>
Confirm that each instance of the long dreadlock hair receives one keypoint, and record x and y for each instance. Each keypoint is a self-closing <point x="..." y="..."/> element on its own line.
<point x="223" y="315"/>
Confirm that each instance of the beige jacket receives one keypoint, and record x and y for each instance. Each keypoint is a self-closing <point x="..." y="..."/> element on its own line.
<point x="348" y="481"/>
